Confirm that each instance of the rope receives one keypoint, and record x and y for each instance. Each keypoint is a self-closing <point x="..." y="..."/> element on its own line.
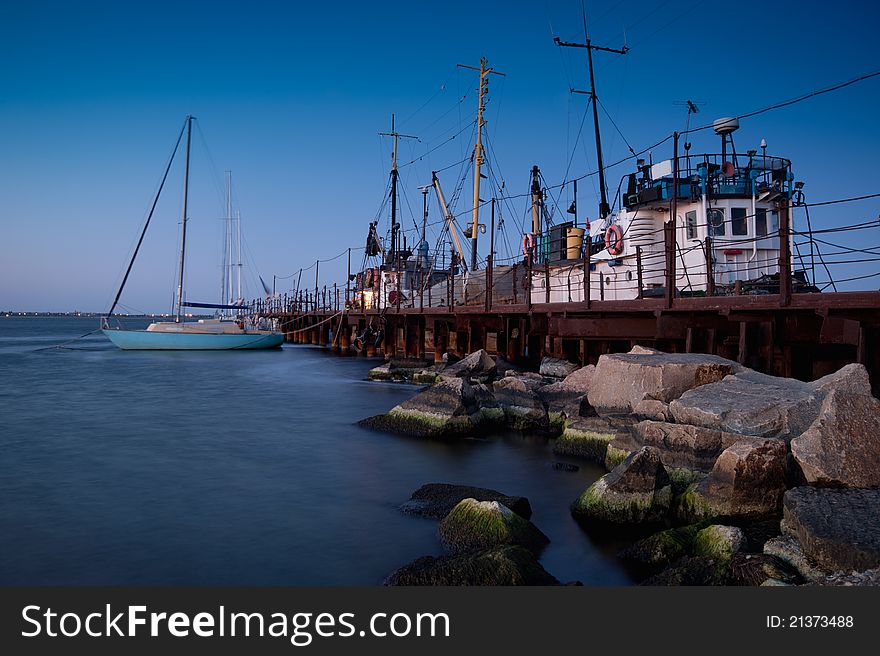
<point x="69" y="341"/>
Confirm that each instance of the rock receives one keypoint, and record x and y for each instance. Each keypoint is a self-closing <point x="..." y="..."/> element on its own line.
<point x="479" y="363"/>
<point x="761" y="569"/>
<point x="718" y="541"/>
<point x="838" y="529"/>
<point x="750" y="403"/>
<point x="425" y="377"/>
<point x="480" y="525"/>
<point x="508" y="565"/>
<point x="615" y="454"/>
<point x="637" y="490"/>
<point x="748" y="480"/>
<point x="580" y="379"/>
<point x="851" y="379"/>
<point x="691" y="570"/>
<point x="681" y="445"/>
<point x="522" y="408"/>
<point x="788" y="551"/>
<point x="585" y="437"/>
<point x="662" y="548"/>
<point x="436" y="500"/>
<point x="868" y="577"/>
<point x="842" y="447"/>
<point x="556" y="368"/>
<point x="449" y="358"/>
<point x="644" y="350"/>
<point x="504" y="368"/>
<point x="382" y="372"/>
<point x="448" y="409"/>
<point x="652" y="409"/>
<point x="622" y="380"/>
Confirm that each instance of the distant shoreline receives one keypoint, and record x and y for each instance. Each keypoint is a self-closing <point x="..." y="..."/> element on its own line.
<point x="22" y="313"/>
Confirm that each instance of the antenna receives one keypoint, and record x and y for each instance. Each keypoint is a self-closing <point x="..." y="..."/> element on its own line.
<point x="693" y="107"/>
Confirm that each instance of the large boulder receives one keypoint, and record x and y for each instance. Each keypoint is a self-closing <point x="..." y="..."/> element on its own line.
<point x="622" y="380"/>
<point x="522" y="408"/>
<point x="842" y="447"/>
<point x="850" y="379"/>
<point x="681" y="445"/>
<point x="480" y="525"/>
<point x="585" y="437"/>
<point x="556" y="368"/>
<point x="507" y="565"/>
<point x="436" y="500"/>
<point x="448" y="409"/>
<point x="478" y="364"/>
<point x="751" y="403"/>
<point x="567" y="398"/>
<point x="839" y="529"/>
<point x="747" y="480"/>
<point x="637" y="490"/>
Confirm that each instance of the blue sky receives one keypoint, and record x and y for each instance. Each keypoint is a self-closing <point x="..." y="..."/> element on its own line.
<point x="291" y="96"/>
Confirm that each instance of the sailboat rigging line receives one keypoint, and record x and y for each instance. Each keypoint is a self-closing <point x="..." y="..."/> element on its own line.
<point x="147" y="223"/>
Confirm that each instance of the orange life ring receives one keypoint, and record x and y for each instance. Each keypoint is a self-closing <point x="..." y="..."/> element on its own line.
<point x="528" y="244"/>
<point x="614" y="240"/>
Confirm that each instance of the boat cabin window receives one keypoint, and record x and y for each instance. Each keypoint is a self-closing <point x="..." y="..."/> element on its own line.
<point x="739" y="225"/>
<point x="760" y="222"/>
<point x="715" y="219"/>
<point x="690" y="221"/>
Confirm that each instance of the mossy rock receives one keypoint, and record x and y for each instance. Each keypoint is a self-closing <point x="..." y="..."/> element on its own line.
<point x="614" y="456"/>
<point x="420" y="424"/>
<point x="599" y="503"/>
<point x="424" y="378"/>
<point x="507" y="565"/>
<point x="662" y="548"/>
<point x="583" y="444"/>
<point x="682" y="478"/>
<point x="690" y="506"/>
<point x="556" y="422"/>
<point x="479" y="525"/>
<point x="719" y="542"/>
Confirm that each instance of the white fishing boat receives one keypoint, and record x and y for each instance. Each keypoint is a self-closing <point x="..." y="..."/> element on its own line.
<point x="238" y="333"/>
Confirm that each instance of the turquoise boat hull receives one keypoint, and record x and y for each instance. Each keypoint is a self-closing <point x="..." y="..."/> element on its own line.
<point x="145" y="340"/>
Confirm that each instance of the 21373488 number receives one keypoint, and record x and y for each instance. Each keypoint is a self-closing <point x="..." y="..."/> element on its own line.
<point x="810" y="622"/>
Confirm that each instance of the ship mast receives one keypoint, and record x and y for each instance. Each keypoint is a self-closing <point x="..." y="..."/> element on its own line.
<point x="395" y="226"/>
<point x="479" y="158"/>
<point x="183" y="228"/>
<point x="604" y="208"/>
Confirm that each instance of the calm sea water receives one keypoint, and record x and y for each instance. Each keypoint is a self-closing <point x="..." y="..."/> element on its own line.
<point x="234" y="468"/>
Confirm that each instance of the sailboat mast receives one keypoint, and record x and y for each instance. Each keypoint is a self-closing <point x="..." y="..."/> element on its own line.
<point x="183" y="228"/>
<point x="226" y="286"/>
<point x="394" y="245"/>
<point x="238" y="244"/>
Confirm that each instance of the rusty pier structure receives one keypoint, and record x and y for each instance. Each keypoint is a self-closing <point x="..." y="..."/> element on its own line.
<point x="802" y="336"/>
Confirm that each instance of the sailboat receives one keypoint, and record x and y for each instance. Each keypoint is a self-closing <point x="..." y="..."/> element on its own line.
<point x="204" y="335"/>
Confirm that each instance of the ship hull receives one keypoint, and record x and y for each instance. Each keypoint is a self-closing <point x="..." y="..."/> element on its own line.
<point x="145" y="340"/>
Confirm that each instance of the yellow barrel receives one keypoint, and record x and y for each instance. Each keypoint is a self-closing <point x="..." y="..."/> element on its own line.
<point x="574" y="239"/>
